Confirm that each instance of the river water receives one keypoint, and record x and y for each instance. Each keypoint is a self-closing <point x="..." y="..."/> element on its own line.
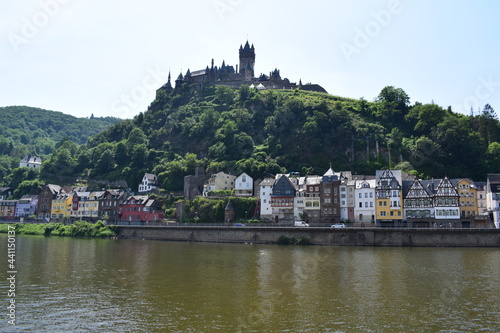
<point x="88" y="285"/>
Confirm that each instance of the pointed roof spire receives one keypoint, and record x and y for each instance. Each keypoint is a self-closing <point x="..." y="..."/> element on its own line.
<point x="229" y="206"/>
<point x="168" y="85"/>
<point x="330" y="172"/>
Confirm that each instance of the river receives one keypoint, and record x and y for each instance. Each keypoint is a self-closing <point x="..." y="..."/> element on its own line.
<point x="89" y="285"/>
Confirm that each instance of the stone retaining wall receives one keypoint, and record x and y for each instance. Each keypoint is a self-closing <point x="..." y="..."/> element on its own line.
<point x="320" y="236"/>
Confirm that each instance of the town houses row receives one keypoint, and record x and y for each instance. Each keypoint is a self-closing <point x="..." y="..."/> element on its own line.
<point x="59" y="203"/>
<point x="388" y="198"/>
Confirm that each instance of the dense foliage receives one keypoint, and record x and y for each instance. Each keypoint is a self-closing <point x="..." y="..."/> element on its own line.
<point x="26" y="130"/>
<point x="272" y="131"/>
<point x="212" y="210"/>
<point x="77" y="229"/>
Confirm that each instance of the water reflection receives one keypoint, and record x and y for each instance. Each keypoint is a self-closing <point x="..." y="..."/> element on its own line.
<point x="115" y="286"/>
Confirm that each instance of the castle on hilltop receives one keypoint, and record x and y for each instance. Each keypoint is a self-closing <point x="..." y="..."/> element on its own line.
<point x="244" y="73"/>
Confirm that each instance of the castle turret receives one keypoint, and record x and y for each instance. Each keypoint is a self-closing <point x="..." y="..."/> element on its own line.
<point x="178" y="82"/>
<point x="247" y="56"/>
<point x="166" y="87"/>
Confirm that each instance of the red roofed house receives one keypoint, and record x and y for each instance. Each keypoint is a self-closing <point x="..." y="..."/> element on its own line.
<point x="140" y="208"/>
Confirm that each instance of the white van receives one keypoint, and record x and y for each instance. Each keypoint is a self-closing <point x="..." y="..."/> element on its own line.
<point x="301" y="224"/>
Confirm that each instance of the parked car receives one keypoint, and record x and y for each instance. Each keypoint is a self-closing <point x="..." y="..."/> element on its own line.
<point x="301" y="224"/>
<point x="238" y="225"/>
<point x="338" y="225"/>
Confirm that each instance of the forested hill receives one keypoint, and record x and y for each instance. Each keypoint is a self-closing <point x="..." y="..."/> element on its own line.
<point x="259" y="132"/>
<point x="27" y="130"/>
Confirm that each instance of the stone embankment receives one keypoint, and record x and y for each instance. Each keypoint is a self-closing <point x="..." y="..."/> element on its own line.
<point x="319" y="236"/>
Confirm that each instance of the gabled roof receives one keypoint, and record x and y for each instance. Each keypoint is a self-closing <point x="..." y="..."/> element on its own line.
<point x="97" y="194"/>
<point x="371" y="182"/>
<point x="150" y="176"/>
<point x="31" y="159"/>
<point x="4" y="189"/>
<point x="267" y="182"/>
<point x="27" y="199"/>
<point x="313" y="180"/>
<point x="55" y="189"/>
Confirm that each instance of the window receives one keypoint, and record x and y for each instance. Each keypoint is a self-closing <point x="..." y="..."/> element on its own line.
<point x="360" y="205"/>
<point x="366" y="195"/>
<point x="383" y="213"/>
<point x="360" y="195"/>
<point x="361" y="217"/>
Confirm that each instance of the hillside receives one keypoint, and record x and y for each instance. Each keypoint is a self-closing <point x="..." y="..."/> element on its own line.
<point x="27" y="130"/>
<point x="273" y="131"/>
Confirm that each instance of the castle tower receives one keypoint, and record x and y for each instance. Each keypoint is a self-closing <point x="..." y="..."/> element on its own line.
<point x="247" y="60"/>
<point x="178" y="82"/>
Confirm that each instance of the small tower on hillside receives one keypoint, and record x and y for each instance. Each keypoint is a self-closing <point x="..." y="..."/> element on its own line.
<point x="229" y="213"/>
<point x="168" y="85"/>
<point x="247" y="60"/>
<point x="178" y="82"/>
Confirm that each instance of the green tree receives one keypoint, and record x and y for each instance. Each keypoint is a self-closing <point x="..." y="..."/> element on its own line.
<point x="136" y="137"/>
<point x="426" y="117"/>
<point x="493" y="157"/>
<point x="105" y="163"/>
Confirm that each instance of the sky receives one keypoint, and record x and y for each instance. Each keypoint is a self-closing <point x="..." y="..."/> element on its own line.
<point x="107" y="58"/>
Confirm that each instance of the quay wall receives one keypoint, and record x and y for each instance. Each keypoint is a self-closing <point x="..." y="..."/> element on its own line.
<point x="319" y="236"/>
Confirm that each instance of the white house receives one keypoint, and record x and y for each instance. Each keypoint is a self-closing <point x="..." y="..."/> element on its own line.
<point x="265" y="191"/>
<point x="493" y="197"/>
<point x="243" y="186"/>
<point x="31" y="162"/>
<point x="149" y="183"/>
<point x="219" y="182"/>
<point x="364" y="196"/>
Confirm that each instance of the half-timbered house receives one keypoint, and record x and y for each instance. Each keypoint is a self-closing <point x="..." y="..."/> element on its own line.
<point x="446" y="203"/>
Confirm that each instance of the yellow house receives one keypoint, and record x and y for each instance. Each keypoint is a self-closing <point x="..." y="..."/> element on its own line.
<point x="467" y="198"/>
<point x="61" y="206"/>
<point x="388" y="198"/>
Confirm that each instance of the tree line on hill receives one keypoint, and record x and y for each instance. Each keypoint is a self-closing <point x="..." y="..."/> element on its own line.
<point x="275" y="131"/>
<point x="27" y="130"/>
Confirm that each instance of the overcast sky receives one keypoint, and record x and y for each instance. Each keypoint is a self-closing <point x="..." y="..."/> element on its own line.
<point x="108" y="57"/>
